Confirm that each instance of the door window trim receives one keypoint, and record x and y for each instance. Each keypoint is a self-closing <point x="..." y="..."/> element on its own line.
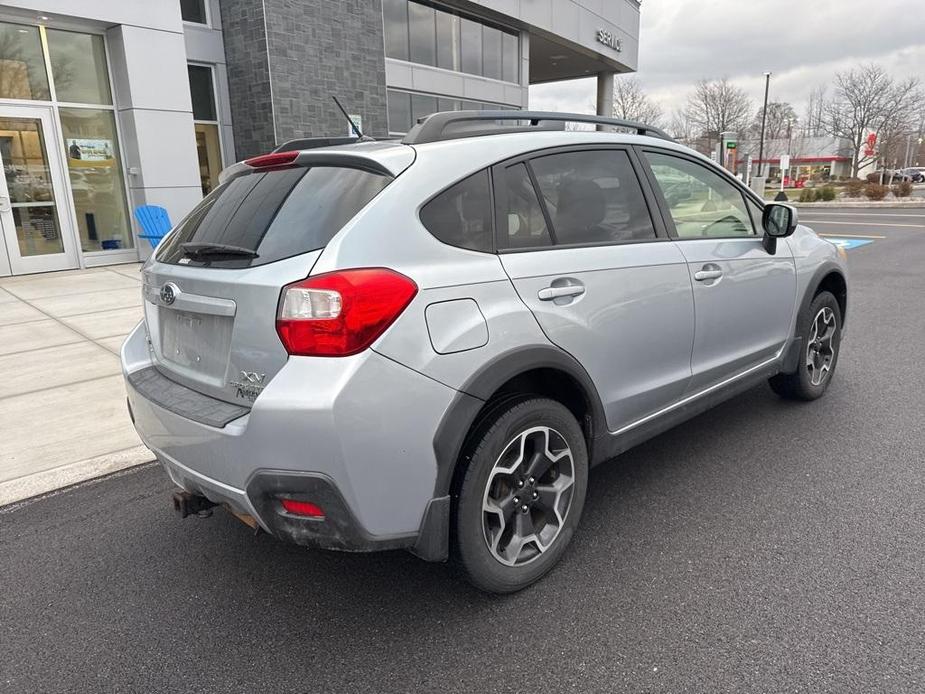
<point x="665" y="210"/>
<point x="500" y="197"/>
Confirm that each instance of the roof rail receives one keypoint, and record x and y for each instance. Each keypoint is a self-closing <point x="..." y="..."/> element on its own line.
<point x="451" y="125"/>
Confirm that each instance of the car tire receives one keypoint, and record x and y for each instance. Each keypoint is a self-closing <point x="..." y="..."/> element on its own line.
<point x="820" y="328"/>
<point x="536" y="443"/>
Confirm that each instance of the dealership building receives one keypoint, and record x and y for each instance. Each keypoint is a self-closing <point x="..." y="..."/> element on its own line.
<point x="108" y="105"/>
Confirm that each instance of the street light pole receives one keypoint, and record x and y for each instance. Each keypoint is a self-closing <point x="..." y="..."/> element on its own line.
<point x="764" y="117"/>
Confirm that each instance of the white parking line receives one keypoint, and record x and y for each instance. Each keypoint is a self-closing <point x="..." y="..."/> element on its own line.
<point x="867" y="214"/>
<point x="866" y="224"/>
<point x="852" y="236"/>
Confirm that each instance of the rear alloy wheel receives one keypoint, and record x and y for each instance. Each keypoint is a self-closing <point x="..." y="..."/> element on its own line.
<point x="821" y="333"/>
<point x="522" y="495"/>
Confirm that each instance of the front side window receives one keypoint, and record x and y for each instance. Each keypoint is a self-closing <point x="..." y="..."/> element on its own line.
<point x="461" y="215"/>
<point x="593" y="197"/>
<point x="702" y="203"/>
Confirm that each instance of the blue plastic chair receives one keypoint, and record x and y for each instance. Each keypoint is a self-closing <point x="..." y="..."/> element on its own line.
<point x="155" y="222"/>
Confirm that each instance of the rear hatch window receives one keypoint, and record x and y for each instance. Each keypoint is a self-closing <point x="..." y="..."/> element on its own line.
<point x="265" y="216"/>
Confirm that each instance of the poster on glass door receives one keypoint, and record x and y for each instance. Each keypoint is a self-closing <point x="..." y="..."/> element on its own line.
<point x="85" y="149"/>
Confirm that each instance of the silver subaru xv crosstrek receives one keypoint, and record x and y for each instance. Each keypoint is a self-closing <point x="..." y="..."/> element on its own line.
<point x="426" y="343"/>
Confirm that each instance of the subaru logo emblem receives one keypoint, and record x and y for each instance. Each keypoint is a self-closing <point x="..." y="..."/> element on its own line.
<point x="169" y="293"/>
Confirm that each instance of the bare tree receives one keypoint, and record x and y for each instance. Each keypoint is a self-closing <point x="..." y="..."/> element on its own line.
<point x="868" y="100"/>
<point x="680" y="126"/>
<point x="717" y="106"/>
<point x="780" y="121"/>
<point x="813" y="122"/>
<point x="632" y="103"/>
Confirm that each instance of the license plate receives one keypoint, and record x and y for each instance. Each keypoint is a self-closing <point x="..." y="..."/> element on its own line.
<point x="196" y="341"/>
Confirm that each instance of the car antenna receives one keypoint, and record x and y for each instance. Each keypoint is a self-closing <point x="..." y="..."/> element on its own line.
<point x="361" y="136"/>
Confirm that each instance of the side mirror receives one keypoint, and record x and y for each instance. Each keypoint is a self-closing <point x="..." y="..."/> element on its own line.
<point x="779" y="221"/>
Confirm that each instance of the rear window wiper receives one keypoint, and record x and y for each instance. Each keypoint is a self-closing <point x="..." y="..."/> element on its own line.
<point x="194" y="248"/>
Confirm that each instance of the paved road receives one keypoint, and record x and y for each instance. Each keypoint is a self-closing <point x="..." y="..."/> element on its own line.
<point x="762" y="547"/>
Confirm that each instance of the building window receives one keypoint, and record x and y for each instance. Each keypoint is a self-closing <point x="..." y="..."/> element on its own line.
<point x="510" y="57"/>
<point x="405" y="108"/>
<point x="470" y="46"/>
<point x="205" y="123"/>
<point x="395" y="26"/>
<point x="22" y="65"/>
<point x="97" y="183"/>
<point x="421" y="29"/>
<point x="194" y="11"/>
<point x="448" y="40"/>
<point x="491" y="53"/>
<point x="421" y="33"/>
<point x="78" y="67"/>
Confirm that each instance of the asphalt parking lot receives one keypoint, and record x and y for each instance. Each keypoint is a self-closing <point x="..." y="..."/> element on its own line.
<point x="764" y="546"/>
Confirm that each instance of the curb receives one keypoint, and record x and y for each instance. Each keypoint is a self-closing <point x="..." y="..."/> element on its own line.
<point x="36" y="484"/>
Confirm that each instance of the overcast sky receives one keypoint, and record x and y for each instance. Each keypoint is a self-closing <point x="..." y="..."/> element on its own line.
<point x="802" y="42"/>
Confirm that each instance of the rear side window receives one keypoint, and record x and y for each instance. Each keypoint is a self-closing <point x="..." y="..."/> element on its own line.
<point x="265" y="216"/>
<point x="461" y="215"/>
<point x="526" y="224"/>
<point x="593" y="197"/>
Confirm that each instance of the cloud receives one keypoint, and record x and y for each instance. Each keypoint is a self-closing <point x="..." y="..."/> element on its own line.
<point x="802" y="43"/>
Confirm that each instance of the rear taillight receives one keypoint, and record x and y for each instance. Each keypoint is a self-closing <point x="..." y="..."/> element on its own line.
<point x="341" y="313"/>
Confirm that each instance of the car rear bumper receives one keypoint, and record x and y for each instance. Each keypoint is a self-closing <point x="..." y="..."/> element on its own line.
<point x="323" y="430"/>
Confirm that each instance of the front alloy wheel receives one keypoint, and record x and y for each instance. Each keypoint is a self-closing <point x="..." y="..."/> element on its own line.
<point x="820" y="352"/>
<point x="819" y="328"/>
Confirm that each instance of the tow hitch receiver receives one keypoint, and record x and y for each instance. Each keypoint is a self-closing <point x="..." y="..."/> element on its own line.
<point x="187" y="504"/>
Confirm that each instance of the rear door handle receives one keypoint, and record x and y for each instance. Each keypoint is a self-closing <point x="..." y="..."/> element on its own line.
<point x="704" y="275"/>
<point x="550" y="293"/>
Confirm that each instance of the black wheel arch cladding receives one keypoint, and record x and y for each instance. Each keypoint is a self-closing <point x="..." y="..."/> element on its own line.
<point x="477" y="393"/>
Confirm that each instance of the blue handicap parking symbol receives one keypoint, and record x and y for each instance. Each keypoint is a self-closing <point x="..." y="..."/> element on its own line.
<point x="848" y="244"/>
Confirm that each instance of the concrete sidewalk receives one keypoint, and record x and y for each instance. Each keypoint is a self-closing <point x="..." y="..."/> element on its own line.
<point x="62" y="402"/>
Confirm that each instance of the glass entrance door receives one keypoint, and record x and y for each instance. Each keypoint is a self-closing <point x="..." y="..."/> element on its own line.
<point x="37" y="233"/>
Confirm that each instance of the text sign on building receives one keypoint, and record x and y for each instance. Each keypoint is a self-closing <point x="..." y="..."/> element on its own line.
<point x="610" y="40"/>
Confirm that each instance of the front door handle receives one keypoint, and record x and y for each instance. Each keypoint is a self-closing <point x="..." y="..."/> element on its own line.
<point x="550" y="293"/>
<point x="708" y="274"/>
<point x="5" y="205"/>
